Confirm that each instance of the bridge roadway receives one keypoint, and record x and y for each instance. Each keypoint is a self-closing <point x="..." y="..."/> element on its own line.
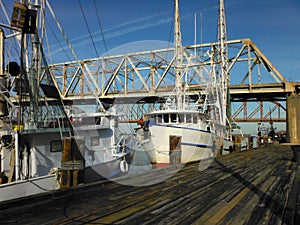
<point x="258" y="186"/>
<point x="238" y="93"/>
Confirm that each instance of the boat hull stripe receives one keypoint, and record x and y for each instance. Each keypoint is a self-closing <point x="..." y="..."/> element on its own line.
<point x="196" y="145"/>
<point x="179" y="127"/>
<point x="200" y="145"/>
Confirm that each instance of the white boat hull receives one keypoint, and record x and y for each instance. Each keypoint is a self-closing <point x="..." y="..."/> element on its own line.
<point x="30" y="187"/>
<point x="194" y="144"/>
<point x="107" y="170"/>
<point x="33" y="186"/>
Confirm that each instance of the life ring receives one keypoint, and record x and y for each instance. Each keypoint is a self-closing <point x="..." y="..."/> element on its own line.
<point x="124" y="166"/>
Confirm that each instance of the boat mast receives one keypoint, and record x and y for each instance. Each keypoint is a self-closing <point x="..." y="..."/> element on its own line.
<point x="34" y="72"/>
<point x="222" y="39"/>
<point x="1" y="52"/>
<point x="178" y="57"/>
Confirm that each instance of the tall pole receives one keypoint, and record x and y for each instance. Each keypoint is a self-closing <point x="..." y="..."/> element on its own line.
<point x="178" y="56"/>
<point x="1" y="52"/>
<point x="195" y="32"/>
<point x="225" y="77"/>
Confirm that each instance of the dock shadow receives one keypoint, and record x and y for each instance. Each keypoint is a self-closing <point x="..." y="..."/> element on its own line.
<point x="264" y="198"/>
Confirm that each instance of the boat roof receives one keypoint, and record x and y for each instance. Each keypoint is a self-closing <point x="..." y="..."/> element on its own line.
<point x="94" y="114"/>
<point x="168" y="111"/>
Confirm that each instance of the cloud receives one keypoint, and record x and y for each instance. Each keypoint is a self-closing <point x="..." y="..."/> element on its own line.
<point x="117" y="27"/>
<point x="128" y="27"/>
<point x="120" y="32"/>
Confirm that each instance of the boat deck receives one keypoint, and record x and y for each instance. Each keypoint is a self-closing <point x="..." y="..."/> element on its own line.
<point x="259" y="186"/>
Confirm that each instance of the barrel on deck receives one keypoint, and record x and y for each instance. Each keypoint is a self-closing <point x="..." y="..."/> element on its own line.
<point x="237" y="140"/>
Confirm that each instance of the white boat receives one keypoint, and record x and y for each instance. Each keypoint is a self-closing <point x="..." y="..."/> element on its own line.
<point x="42" y="147"/>
<point x="181" y="136"/>
<point x="107" y="151"/>
<point x="183" y="130"/>
<point x="33" y="160"/>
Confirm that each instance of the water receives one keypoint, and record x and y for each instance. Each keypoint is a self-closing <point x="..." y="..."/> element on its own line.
<point x="140" y="162"/>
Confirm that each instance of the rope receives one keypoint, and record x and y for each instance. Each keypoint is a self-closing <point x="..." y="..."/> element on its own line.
<point x="38" y="186"/>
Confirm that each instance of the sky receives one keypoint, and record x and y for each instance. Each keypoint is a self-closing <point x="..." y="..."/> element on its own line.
<point x="273" y="25"/>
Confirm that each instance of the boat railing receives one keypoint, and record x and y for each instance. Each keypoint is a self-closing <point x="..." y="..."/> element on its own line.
<point x="118" y="150"/>
<point x="191" y="107"/>
<point x="126" y="143"/>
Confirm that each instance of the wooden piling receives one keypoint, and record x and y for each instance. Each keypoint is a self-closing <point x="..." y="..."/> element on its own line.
<point x="237" y="139"/>
<point x="293" y="122"/>
<point x="72" y="163"/>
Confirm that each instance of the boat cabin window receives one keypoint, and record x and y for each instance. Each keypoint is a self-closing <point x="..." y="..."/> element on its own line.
<point x="195" y="119"/>
<point x="188" y="118"/>
<point x="159" y="119"/>
<point x="91" y="120"/>
<point x="166" y="118"/>
<point x="181" y="118"/>
<point x="156" y="118"/>
<point x="98" y="120"/>
<point x="173" y="118"/>
<point x="56" y="146"/>
<point x="95" y="141"/>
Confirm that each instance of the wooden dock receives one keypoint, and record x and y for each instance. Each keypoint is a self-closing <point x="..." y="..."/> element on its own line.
<point x="260" y="186"/>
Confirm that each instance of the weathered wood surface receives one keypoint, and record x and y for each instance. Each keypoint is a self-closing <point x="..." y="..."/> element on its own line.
<point x="250" y="187"/>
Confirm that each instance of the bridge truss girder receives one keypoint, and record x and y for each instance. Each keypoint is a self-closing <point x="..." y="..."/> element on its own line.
<point x="144" y="78"/>
<point x="152" y="73"/>
<point x="260" y="112"/>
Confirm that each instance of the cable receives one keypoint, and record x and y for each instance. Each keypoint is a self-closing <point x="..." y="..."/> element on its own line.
<point x="172" y="25"/>
<point x="100" y="27"/>
<point x="59" y="43"/>
<point x="103" y="39"/>
<point x="85" y="21"/>
<point x="170" y="33"/>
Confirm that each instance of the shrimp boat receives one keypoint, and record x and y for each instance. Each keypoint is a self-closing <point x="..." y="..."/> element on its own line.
<point x="183" y="130"/>
<point x="107" y="152"/>
<point x="42" y="146"/>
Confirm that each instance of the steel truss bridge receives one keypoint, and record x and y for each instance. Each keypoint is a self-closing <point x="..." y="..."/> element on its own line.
<point x="143" y="80"/>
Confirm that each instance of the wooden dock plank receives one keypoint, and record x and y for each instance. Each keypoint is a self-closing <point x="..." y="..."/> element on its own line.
<point x="251" y="187"/>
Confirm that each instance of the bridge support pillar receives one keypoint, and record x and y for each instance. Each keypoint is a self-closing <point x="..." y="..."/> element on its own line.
<point x="293" y="118"/>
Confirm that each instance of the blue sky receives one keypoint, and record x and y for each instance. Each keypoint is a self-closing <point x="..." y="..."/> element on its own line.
<point x="273" y="25"/>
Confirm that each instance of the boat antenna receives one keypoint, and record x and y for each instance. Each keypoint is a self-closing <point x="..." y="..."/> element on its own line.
<point x="178" y="57"/>
<point x="195" y="33"/>
<point x="201" y="32"/>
